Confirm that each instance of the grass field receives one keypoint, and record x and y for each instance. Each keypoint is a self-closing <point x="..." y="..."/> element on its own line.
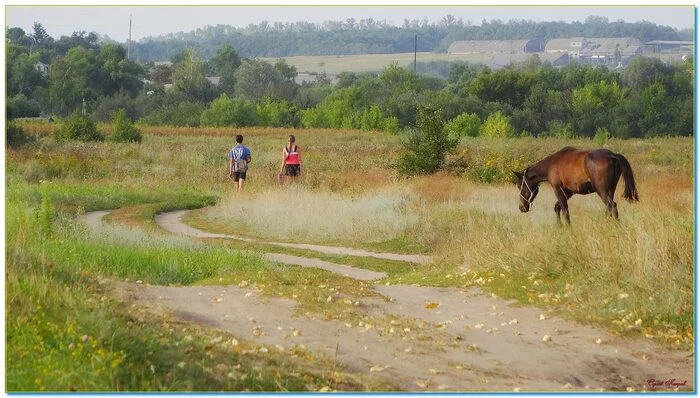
<point x="334" y="64"/>
<point x="634" y="277"/>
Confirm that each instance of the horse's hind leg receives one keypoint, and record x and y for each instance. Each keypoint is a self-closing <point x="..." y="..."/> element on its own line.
<point x="558" y="208"/>
<point x="562" y="204"/>
<point x="607" y="197"/>
<point x="604" y="184"/>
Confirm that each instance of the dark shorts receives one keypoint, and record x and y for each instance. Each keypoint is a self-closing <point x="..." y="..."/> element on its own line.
<point x="238" y="175"/>
<point x="292" y="170"/>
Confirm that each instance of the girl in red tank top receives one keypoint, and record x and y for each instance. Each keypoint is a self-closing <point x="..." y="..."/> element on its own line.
<point x="291" y="159"/>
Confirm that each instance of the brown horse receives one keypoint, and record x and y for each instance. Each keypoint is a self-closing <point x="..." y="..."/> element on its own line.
<point x="571" y="171"/>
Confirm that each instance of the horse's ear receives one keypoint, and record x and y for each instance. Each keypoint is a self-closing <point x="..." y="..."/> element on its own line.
<point x="518" y="176"/>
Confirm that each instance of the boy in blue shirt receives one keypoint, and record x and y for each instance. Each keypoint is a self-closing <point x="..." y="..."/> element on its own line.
<point x="238" y="159"/>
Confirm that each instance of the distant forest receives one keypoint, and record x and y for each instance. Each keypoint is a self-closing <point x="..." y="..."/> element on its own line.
<point x="83" y="74"/>
<point x="369" y="36"/>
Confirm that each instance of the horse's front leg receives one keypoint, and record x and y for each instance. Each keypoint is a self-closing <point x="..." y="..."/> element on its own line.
<point x="557" y="209"/>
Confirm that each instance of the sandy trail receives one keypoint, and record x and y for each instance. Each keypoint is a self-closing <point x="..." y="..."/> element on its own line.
<point x="470" y="341"/>
<point x="172" y="221"/>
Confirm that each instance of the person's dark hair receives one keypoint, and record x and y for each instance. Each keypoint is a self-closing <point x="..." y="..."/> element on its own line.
<point x="291" y="138"/>
<point x="239" y="138"/>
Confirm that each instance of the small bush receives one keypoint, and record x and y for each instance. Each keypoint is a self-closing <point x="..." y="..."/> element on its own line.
<point x="601" y="136"/>
<point x="464" y="125"/>
<point x="497" y="125"/>
<point x="20" y="106"/>
<point x="15" y="135"/>
<point x="427" y="145"/>
<point x="124" y="129"/>
<point x="78" y="128"/>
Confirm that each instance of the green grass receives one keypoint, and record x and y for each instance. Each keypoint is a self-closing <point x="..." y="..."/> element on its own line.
<point x="56" y="296"/>
<point x="596" y="271"/>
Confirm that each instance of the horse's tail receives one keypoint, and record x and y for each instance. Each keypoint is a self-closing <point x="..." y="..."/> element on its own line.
<point x="630" y="187"/>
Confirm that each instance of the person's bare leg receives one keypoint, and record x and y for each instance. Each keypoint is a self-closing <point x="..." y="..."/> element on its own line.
<point x="240" y="185"/>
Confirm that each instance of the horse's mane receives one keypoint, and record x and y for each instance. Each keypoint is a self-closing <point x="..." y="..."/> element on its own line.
<point x="540" y="167"/>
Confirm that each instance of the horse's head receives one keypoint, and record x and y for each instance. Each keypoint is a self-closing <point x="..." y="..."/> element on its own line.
<point x="529" y="188"/>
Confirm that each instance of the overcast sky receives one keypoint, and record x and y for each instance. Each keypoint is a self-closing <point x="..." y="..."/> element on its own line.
<point x="156" y="20"/>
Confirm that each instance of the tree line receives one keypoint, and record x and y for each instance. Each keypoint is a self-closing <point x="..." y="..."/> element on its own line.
<point x="647" y="98"/>
<point x="369" y="36"/>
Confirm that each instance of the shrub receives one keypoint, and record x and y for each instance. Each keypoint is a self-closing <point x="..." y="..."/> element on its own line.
<point x="108" y="105"/>
<point x="20" y="106"/>
<point x="464" y="125"/>
<point x="225" y="111"/>
<point x="427" y="145"/>
<point x="124" y="129"/>
<point x="601" y="136"/>
<point x="277" y="113"/>
<point x="497" y="125"/>
<point x="15" y="135"/>
<point x="558" y="129"/>
<point x="79" y="128"/>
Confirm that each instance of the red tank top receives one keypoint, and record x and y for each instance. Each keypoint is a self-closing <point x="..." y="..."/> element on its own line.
<point x="292" y="155"/>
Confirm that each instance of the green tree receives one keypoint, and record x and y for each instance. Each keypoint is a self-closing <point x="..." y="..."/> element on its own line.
<point x="497" y="125"/>
<point x="277" y="113"/>
<point x="70" y="79"/>
<point x="256" y="79"/>
<point x="596" y="105"/>
<point x="225" y="111"/>
<point x="644" y="71"/>
<point x="189" y="79"/>
<point x="224" y="65"/>
<point x="116" y="73"/>
<point x="427" y="146"/>
<point x="22" y="76"/>
<point x="161" y="75"/>
<point x="464" y="125"/>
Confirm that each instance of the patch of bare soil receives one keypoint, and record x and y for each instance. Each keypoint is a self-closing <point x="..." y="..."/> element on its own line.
<point x="441" y="339"/>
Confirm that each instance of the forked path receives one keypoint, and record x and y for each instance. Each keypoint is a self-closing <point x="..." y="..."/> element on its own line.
<point x="440" y="339"/>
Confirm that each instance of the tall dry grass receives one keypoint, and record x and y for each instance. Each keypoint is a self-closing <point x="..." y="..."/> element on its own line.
<point x="300" y="214"/>
<point x="350" y="195"/>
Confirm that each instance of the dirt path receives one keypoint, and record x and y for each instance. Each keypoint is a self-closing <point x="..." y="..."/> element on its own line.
<point x="445" y="339"/>
<point x="172" y="222"/>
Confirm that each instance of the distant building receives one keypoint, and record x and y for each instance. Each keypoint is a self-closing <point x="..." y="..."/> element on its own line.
<point x="669" y="47"/>
<point x="42" y="68"/>
<point x="215" y="80"/>
<point x="163" y="63"/>
<point x="495" y="46"/>
<point x="597" y="50"/>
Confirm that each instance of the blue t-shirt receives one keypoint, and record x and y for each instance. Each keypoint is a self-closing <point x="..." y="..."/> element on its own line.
<point x="239" y="154"/>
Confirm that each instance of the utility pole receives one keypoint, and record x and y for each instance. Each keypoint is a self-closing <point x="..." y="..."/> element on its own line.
<point x="128" y="44"/>
<point x="415" y="52"/>
<point x="84" y="110"/>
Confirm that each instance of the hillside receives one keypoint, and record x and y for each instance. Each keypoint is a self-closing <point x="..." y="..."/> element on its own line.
<point x="377" y="37"/>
